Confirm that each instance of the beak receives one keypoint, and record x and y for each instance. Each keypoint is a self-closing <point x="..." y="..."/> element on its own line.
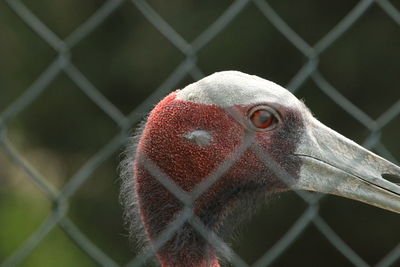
<point x="333" y="164"/>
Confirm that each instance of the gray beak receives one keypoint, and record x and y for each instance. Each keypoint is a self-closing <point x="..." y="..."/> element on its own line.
<point x="336" y="165"/>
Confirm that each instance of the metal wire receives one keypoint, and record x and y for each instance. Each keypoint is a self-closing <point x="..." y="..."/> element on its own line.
<point x="188" y="66"/>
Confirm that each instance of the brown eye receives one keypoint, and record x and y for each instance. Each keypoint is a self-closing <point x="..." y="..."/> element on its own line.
<point x="263" y="118"/>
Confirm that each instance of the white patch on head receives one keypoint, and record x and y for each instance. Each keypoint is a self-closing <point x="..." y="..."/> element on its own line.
<point x="199" y="137"/>
<point x="229" y="88"/>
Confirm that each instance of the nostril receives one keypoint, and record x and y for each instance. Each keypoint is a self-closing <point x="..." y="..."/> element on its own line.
<point x="393" y="178"/>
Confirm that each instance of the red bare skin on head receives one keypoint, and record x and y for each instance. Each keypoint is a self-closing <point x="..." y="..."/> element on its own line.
<point x="188" y="164"/>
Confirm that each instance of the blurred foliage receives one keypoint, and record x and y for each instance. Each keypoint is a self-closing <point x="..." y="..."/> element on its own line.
<point x="126" y="58"/>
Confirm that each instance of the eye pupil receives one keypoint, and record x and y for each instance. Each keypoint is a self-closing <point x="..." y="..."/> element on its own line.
<point x="262" y="118"/>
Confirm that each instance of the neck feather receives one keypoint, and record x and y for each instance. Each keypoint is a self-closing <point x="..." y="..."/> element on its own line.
<point x="188" y="261"/>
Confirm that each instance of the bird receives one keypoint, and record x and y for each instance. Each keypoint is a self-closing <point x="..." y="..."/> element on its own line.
<point x="219" y="146"/>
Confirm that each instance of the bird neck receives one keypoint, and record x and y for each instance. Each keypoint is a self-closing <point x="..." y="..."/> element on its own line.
<point x="205" y="264"/>
<point x="214" y="264"/>
<point x="187" y="260"/>
<point x="187" y="248"/>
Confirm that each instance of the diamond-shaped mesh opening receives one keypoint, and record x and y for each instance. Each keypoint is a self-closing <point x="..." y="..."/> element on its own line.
<point x="24" y="55"/>
<point x="268" y="225"/>
<point x="331" y="12"/>
<point x="139" y="52"/>
<point x="355" y="220"/>
<point x="312" y="249"/>
<point x="272" y="51"/>
<point x="353" y="58"/>
<point x="63" y="23"/>
<point x="62" y="247"/>
<point x="82" y="126"/>
<point x="189" y="18"/>
<point x="331" y="113"/>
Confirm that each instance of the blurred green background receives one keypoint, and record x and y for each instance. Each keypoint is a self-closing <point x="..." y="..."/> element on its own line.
<point x="126" y="58"/>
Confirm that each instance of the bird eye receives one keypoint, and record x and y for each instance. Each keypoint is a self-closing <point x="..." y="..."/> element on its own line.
<point x="263" y="118"/>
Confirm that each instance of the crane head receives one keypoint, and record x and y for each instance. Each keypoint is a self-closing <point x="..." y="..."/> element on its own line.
<point x="224" y="142"/>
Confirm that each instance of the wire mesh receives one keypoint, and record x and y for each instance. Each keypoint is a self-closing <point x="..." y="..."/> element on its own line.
<point x="190" y="50"/>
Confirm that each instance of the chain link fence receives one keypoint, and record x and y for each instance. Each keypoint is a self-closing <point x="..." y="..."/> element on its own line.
<point x="188" y="66"/>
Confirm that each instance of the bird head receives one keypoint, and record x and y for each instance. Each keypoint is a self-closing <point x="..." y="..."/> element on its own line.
<point x="229" y="140"/>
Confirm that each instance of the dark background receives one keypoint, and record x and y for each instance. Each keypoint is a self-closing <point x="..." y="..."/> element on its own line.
<point x="126" y="58"/>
